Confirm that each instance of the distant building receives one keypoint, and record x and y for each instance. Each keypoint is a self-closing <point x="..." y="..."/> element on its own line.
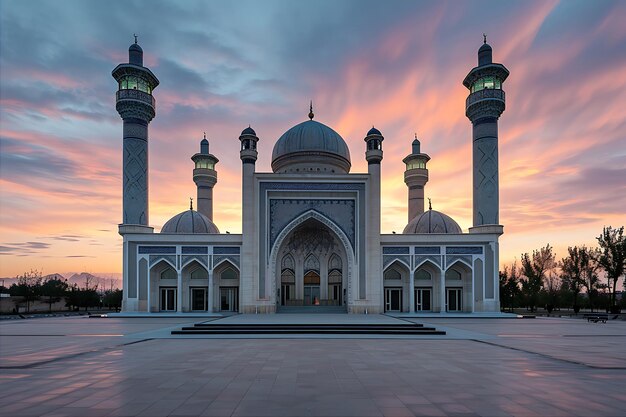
<point x="311" y="229"/>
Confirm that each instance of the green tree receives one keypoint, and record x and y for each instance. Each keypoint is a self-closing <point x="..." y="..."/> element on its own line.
<point x="54" y="289"/>
<point x="112" y="299"/>
<point x="578" y="271"/>
<point x="509" y="286"/>
<point x="612" y="258"/>
<point x="28" y="286"/>
<point x="535" y="269"/>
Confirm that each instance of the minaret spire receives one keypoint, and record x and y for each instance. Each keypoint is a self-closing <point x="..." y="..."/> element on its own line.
<point x="484" y="38"/>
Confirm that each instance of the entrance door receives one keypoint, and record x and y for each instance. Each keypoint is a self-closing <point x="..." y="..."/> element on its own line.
<point x="453" y="299"/>
<point x="168" y="299"/>
<point x="393" y="299"/>
<point x="286" y="294"/>
<point x="334" y="294"/>
<point x="198" y="299"/>
<point x="422" y="299"/>
<point x="229" y="298"/>
<point x="311" y="295"/>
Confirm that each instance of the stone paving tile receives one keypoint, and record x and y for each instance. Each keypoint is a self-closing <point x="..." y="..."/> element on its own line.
<point x="578" y="371"/>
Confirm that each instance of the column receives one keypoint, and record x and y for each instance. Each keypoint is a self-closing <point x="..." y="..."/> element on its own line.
<point x="442" y="290"/>
<point x="411" y="292"/>
<point x="210" y="291"/>
<point x="179" y="292"/>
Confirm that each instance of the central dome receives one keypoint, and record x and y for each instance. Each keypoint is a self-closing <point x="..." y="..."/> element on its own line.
<point x="311" y="147"/>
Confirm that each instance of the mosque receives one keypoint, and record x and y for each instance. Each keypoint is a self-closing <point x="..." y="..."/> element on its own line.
<point x="311" y="235"/>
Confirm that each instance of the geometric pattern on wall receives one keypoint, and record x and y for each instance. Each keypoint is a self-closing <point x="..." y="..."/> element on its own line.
<point x="135" y="181"/>
<point x="389" y="259"/>
<point x="487" y="178"/>
<point x="201" y="259"/>
<point x="156" y="258"/>
<point x="451" y="259"/>
<point x="234" y="259"/>
<point x="436" y="259"/>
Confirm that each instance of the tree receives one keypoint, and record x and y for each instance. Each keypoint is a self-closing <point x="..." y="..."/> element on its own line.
<point x="612" y="258"/>
<point x="28" y="287"/>
<point x="54" y="289"/>
<point x="112" y="299"/>
<point x="535" y="268"/>
<point x="509" y="286"/>
<point x="578" y="271"/>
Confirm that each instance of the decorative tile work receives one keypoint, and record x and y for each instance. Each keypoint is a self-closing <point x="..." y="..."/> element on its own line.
<point x="226" y="250"/>
<point x="464" y="250"/>
<point x="395" y="250"/>
<point x="157" y="249"/>
<point x="156" y="258"/>
<point x="200" y="259"/>
<point x="195" y="250"/>
<point x="427" y="250"/>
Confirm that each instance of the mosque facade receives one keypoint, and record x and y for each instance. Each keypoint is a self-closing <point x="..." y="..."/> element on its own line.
<point x="310" y="228"/>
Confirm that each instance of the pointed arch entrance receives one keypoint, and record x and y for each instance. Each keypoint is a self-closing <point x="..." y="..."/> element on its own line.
<point x="311" y="262"/>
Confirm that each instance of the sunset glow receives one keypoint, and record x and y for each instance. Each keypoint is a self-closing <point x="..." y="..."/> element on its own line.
<point x="396" y="65"/>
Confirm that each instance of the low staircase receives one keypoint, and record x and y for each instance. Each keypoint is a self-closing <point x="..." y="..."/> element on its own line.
<point x="312" y="309"/>
<point x="300" y="329"/>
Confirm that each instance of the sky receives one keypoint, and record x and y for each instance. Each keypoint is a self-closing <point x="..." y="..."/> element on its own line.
<point x="224" y="65"/>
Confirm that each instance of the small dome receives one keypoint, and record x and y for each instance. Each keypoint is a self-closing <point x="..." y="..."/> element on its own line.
<point x="248" y="131"/>
<point x="189" y="221"/>
<point x="135" y="48"/>
<point x="432" y="221"/>
<point x="374" y="131"/>
<point x="311" y="146"/>
<point x="484" y="54"/>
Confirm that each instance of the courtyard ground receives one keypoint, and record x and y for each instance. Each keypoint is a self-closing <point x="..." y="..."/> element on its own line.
<point x="79" y="366"/>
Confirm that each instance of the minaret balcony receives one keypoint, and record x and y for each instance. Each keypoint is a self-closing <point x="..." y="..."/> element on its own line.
<point x="136" y="95"/>
<point x="485" y="94"/>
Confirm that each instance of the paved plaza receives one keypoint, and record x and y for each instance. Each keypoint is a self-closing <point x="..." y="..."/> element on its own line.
<point x="77" y="366"/>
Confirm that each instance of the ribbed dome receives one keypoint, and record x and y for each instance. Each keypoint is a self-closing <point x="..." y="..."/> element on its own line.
<point x="432" y="221"/>
<point x="189" y="221"/>
<point x="311" y="147"/>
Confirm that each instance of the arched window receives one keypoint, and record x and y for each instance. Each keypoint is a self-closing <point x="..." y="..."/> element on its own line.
<point x="229" y="273"/>
<point x="311" y="278"/>
<point x="287" y="276"/>
<point x="199" y="273"/>
<point x="312" y="264"/>
<point x="392" y="274"/>
<point x="422" y="274"/>
<point x="169" y="273"/>
<point x="287" y="262"/>
<point x="334" y="262"/>
<point x="453" y="274"/>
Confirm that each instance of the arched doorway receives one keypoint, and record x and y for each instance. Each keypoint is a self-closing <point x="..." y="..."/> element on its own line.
<point x="226" y="287"/>
<point x="310" y="266"/>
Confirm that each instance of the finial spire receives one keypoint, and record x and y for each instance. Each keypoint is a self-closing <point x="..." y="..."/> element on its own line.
<point x="190" y="203"/>
<point x="135" y="35"/>
<point x="430" y="206"/>
<point x="311" y="115"/>
<point x="205" y="135"/>
<point x="484" y="38"/>
<point x="415" y="135"/>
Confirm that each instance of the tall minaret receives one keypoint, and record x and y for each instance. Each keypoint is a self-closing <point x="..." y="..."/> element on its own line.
<point x="415" y="178"/>
<point x="136" y="106"/>
<point x="483" y="107"/>
<point x="373" y="155"/>
<point x="249" y="261"/>
<point x="205" y="177"/>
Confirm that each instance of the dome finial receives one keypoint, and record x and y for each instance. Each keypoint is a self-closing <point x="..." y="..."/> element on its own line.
<point x="484" y="38"/>
<point x="135" y="35"/>
<point x="311" y="115"/>
<point x="415" y="135"/>
<point x="430" y="206"/>
<point x="190" y="203"/>
<point x="204" y="135"/>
